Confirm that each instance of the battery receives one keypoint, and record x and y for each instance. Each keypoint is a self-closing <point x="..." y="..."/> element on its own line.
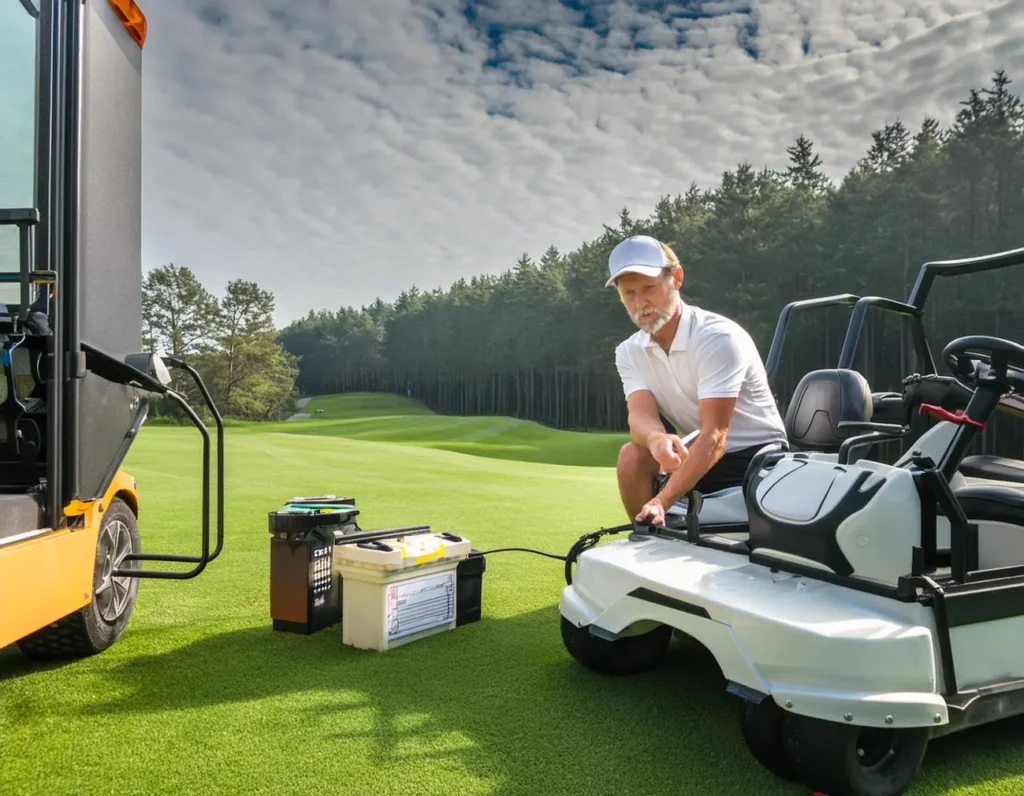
<point x="305" y="589"/>
<point x="469" y="588"/>
<point x="400" y="589"/>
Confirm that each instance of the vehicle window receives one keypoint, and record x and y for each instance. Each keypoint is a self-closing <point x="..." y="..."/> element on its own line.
<point x="18" y="72"/>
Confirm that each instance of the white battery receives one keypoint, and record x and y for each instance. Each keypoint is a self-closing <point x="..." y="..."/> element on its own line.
<point x="395" y="591"/>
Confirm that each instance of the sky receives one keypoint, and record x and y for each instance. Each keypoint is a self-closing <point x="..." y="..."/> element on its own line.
<point x="335" y="151"/>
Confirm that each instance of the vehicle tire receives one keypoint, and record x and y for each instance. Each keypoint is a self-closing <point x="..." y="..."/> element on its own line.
<point x="762" y="729"/>
<point x="847" y="760"/>
<point x="99" y="624"/>
<point x="624" y="656"/>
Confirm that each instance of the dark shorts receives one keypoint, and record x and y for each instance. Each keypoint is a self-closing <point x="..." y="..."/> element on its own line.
<point x="727" y="471"/>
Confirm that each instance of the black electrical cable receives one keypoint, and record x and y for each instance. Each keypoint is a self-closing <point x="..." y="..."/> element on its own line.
<point x="585" y="542"/>
<point x="522" y="550"/>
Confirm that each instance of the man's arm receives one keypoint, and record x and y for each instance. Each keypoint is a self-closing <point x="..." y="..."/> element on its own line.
<point x="645" y="426"/>
<point x="640" y="401"/>
<point x="706" y="450"/>
<point x="644" y="419"/>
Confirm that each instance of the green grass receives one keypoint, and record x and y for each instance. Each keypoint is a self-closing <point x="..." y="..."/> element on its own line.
<point x="403" y="421"/>
<point x="200" y="696"/>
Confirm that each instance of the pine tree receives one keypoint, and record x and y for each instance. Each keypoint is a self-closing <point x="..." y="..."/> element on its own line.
<point x="803" y="171"/>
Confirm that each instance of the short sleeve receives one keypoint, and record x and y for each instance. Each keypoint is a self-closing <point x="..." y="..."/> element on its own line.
<point x="631" y="379"/>
<point x="721" y="366"/>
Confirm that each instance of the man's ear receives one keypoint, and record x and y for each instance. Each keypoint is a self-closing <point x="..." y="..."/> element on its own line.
<point x="677" y="277"/>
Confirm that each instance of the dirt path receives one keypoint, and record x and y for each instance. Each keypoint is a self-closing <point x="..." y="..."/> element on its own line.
<point x="299" y="404"/>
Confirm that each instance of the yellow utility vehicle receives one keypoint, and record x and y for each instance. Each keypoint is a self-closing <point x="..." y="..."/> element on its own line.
<point x="75" y="385"/>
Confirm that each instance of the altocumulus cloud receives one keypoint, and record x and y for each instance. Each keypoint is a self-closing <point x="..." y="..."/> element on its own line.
<point x="340" y="151"/>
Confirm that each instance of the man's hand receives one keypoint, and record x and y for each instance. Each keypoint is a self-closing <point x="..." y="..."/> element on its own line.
<point x="667" y="449"/>
<point x="709" y="447"/>
<point x="652" y="513"/>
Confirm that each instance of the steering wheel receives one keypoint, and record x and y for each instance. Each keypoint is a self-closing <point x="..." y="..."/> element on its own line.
<point x="1004" y="360"/>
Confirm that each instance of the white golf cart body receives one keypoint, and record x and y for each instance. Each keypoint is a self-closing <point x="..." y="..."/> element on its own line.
<point x="819" y="648"/>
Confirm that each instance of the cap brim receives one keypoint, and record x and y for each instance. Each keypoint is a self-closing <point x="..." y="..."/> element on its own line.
<point x="646" y="270"/>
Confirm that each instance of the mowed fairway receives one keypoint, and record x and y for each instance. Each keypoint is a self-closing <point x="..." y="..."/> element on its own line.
<point x="201" y="696"/>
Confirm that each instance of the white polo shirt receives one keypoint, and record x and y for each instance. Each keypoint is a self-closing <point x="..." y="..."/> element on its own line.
<point x="711" y="356"/>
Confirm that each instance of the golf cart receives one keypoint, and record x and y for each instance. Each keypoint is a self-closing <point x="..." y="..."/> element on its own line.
<point x="856" y="608"/>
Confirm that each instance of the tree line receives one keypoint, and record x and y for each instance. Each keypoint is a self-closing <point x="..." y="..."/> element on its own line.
<point x="537" y="340"/>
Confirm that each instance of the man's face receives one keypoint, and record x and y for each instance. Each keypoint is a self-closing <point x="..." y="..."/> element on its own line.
<point x="650" y="300"/>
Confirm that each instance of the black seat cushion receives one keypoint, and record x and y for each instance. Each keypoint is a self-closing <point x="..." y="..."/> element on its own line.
<point x="998" y="468"/>
<point x="822" y="400"/>
<point x="992" y="503"/>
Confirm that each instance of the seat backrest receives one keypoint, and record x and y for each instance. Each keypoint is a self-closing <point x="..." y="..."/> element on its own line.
<point x="22" y="412"/>
<point x="823" y="399"/>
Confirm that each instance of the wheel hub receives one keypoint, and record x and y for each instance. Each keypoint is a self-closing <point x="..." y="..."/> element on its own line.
<point x="876" y="747"/>
<point x="113" y="592"/>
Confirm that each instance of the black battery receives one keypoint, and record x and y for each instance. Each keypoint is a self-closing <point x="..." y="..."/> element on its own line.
<point x="469" y="574"/>
<point x="305" y="589"/>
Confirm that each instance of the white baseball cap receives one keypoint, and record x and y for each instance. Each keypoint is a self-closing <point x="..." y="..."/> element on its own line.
<point x="639" y="254"/>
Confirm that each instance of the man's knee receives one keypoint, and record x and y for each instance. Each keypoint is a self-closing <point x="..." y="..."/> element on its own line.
<point x="636" y="459"/>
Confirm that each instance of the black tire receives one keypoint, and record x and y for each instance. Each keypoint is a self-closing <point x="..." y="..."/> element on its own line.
<point x="624" y="656"/>
<point x="99" y="624"/>
<point x="762" y="728"/>
<point x="847" y="760"/>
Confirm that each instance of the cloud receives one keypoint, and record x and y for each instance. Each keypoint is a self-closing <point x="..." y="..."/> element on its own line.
<point x="335" y="151"/>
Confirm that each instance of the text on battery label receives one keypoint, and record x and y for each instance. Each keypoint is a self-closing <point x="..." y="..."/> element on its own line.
<point x="419" y="604"/>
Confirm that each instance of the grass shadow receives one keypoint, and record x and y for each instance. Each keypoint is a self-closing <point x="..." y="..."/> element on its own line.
<point x="501" y="697"/>
<point x="503" y="700"/>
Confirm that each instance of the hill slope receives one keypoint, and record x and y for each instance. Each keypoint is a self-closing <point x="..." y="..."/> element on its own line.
<point x="399" y="420"/>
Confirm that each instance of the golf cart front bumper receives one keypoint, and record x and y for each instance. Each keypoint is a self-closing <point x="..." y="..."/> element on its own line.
<point x="817" y="649"/>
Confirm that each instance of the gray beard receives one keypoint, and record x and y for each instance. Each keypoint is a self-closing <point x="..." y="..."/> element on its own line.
<point x="655" y="326"/>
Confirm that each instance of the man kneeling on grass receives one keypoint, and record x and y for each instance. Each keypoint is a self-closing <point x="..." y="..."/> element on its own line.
<point x="700" y="371"/>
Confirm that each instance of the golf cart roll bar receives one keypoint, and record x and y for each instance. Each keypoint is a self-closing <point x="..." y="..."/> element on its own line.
<point x="856" y="325"/>
<point x="967" y="265"/>
<point x="112" y="369"/>
<point x="775" y="351"/>
<point x="912" y="308"/>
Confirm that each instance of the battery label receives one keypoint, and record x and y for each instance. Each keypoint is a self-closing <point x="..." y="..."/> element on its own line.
<point x="420" y="604"/>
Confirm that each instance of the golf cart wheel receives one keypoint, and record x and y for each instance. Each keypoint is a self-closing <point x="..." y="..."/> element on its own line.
<point x="847" y="760"/>
<point x="762" y="729"/>
<point x="99" y="624"/>
<point x="623" y="656"/>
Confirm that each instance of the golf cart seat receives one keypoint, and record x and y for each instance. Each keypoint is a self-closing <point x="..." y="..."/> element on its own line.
<point x="992" y="503"/>
<point x="998" y="513"/>
<point x="822" y="400"/>
<point x="993" y="468"/>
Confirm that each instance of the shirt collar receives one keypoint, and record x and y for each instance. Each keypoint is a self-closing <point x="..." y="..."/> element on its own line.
<point x="684" y="331"/>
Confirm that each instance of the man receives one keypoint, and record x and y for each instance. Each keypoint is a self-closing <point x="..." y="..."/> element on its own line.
<point x="699" y="370"/>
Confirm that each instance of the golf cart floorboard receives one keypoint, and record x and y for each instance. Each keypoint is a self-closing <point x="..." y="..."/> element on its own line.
<point x="983" y="705"/>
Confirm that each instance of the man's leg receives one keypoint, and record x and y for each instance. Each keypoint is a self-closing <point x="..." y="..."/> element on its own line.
<point x="727" y="471"/>
<point x="637" y="470"/>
